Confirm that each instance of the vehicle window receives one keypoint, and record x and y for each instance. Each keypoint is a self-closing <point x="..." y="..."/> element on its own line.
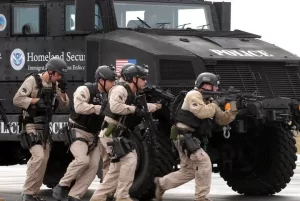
<point x="26" y="20"/>
<point x="70" y="18"/>
<point x="197" y="21"/>
<point x="166" y="15"/>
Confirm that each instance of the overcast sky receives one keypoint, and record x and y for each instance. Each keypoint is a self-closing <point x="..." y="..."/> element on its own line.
<point x="277" y="21"/>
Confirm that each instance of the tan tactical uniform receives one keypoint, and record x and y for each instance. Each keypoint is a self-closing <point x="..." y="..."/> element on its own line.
<point x="152" y="107"/>
<point x="36" y="166"/>
<point x="84" y="167"/>
<point x="120" y="174"/>
<point x="198" y="165"/>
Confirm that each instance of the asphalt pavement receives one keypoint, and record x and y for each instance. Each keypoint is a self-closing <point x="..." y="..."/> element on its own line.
<point x="12" y="179"/>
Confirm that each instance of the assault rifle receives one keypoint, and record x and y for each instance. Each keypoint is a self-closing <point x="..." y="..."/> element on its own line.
<point x="232" y="94"/>
<point x="270" y="109"/>
<point x="48" y="96"/>
<point x="158" y="95"/>
<point x="150" y="129"/>
<point x="4" y="117"/>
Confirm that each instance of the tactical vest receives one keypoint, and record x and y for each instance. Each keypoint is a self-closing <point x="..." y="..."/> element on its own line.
<point x="90" y="122"/>
<point x="32" y="111"/>
<point x="39" y="84"/>
<point x="202" y="126"/>
<point x="131" y="120"/>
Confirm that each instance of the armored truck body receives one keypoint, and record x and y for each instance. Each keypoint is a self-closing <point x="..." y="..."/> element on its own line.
<point x="177" y="40"/>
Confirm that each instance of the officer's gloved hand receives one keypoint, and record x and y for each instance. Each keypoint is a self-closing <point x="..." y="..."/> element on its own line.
<point x="139" y="112"/>
<point x="40" y="104"/>
<point x="62" y="84"/>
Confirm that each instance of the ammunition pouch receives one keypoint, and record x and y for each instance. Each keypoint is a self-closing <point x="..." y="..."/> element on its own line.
<point x="120" y="147"/>
<point x="28" y="140"/>
<point x="40" y="120"/>
<point x="35" y="120"/>
<point x="68" y="136"/>
<point x="189" y="143"/>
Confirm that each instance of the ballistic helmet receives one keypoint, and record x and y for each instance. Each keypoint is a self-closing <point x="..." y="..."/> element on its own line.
<point x="207" y="78"/>
<point x="57" y="64"/>
<point x="124" y="67"/>
<point x="135" y="71"/>
<point x="106" y="73"/>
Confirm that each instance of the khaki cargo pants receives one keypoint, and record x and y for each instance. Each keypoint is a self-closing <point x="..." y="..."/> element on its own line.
<point x="37" y="164"/>
<point x="197" y="167"/>
<point x="120" y="175"/>
<point x="84" y="167"/>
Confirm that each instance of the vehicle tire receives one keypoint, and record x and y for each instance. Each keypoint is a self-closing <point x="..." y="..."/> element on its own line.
<point x="152" y="163"/>
<point x="53" y="174"/>
<point x="57" y="164"/>
<point x="272" y="165"/>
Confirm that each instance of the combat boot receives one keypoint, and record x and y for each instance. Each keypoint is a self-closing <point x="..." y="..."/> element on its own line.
<point x="158" y="190"/>
<point x="60" y="192"/>
<point x="27" y="197"/>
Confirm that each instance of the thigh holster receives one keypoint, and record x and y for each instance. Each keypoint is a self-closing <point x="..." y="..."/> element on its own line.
<point x="189" y="143"/>
<point x="120" y="147"/>
<point x="28" y="140"/>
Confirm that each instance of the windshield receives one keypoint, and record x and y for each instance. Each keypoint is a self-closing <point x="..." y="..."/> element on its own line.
<point x="163" y="15"/>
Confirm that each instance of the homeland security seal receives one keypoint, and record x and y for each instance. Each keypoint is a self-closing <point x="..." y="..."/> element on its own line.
<point x="17" y="59"/>
<point x="3" y="22"/>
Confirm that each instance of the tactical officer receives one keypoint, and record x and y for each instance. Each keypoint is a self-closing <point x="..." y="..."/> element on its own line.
<point x="105" y="158"/>
<point x="194" y="119"/>
<point x="85" y="123"/>
<point x="35" y="96"/>
<point x="119" y="114"/>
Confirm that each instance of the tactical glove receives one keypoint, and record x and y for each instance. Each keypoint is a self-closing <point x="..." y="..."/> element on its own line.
<point x="62" y="84"/>
<point x="139" y="112"/>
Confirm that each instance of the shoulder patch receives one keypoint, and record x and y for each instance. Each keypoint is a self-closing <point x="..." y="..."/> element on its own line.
<point x="24" y="90"/>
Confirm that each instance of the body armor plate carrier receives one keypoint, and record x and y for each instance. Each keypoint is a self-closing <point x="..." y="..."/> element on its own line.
<point x="130" y="121"/>
<point x="32" y="110"/>
<point x="90" y="123"/>
<point x="202" y="126"/>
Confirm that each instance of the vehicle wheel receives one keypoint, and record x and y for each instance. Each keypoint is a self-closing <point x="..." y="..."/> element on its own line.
<point x="270" y="160"/>
<point x="57" y="164"/>
<point x="152" y="163"/>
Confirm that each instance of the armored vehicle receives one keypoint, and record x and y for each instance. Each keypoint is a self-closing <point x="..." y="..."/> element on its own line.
<point x="255" y="154"/>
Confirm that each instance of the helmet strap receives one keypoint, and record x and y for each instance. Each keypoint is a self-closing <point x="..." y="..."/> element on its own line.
<point x="103" y="86"/>
<point x="135" y="83"/>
